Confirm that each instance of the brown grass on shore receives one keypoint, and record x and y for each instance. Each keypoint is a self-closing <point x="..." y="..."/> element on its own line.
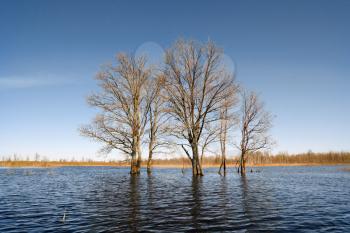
<point x="266" y="159"/>
<point x="49" y="164"/>
<point x="254" y="160"/>
<point x="58" y="163"/>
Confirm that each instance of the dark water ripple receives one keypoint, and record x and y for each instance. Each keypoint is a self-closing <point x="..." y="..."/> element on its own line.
<point x="103" y="199"/>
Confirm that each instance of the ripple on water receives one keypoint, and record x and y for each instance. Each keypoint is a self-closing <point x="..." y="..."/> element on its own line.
<point x="314" y="199"/>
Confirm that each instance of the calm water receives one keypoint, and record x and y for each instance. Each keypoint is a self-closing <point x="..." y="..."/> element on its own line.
<point x="103" y="199"/>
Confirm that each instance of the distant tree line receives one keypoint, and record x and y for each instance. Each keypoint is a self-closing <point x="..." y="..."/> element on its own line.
<point x="191" y="101"/>
<point x="253" y="159"/>
<point x="301" y="158"/>
<point x="265" y="158"/>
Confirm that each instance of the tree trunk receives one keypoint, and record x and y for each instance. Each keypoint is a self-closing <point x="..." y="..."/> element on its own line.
<point x="241" y="168"/>
<point x="136" y="157"/>
<point x="196" y="162"/>
<point x="223" y="158"/>
<point x="133" y="169"/>
<point x="194" y="167"/>
<point x="149" y="161"/>
<point x="223" y="165"/>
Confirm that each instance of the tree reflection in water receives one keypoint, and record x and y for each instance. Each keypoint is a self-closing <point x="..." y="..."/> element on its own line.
<point x="196" y="201"/>
<point x="257" y="205"/>
<point x="134" y="203"/>
<point x="169" y="202"/>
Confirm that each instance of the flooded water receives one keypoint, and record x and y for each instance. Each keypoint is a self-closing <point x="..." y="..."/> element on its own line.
<point x="106" y="199"/>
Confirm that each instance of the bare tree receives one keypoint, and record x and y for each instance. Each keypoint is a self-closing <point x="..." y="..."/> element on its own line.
<point x="124" y="105"/>
<point x="227" y="121"/>
<point x="157" y="119"/>
<point x="255" y="123"/>
<point x="197" y="84"/>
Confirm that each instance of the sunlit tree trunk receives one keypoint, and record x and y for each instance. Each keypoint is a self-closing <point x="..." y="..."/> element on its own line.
<point x="151" y="142"/>
<point x="150" y="155"/>
<point x="134" y="167"/>
<point x="223" y="162"/>
<point x="197" y="167"/>
<point x="224" y="125"/>
<point x="136" y="157"/>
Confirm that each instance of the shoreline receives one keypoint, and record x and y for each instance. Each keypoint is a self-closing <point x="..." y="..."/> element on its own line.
<point x="53" y="164"/>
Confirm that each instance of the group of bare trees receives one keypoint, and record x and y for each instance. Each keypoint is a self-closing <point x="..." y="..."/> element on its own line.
<point x="191" y="102"/>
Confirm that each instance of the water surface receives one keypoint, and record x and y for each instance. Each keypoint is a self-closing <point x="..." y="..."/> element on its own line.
<point x="107" y="199"/>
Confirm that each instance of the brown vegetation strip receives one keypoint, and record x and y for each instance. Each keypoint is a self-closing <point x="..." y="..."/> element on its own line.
<point x="254" y="160"/>
<point x="164" y="165"/>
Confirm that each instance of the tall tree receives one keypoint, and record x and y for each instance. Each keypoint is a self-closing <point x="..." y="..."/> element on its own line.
<point x="157" y="127"/>
<point x="197" y="84"/>
<point x="124" y="104"/>
<point x="227" y="121"/>
<point x="255" y="123"/>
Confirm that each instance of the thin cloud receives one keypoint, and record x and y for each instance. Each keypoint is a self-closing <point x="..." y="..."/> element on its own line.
<point x="30" y="82"/>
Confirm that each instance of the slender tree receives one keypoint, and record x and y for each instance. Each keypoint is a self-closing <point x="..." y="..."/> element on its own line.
<point x="197" y="84"/>
<point x="124" y="104"/>
<point x="157" y="119"/>
<point x="227" y="121"/>
<point x="223" y="138"/>
<point x="255" y="123"/>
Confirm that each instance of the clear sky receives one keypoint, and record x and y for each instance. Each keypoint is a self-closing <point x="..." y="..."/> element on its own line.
<point x="296" y="54"/>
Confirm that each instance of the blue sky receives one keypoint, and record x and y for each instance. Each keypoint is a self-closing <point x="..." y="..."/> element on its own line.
<point x="296" y="54"/>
